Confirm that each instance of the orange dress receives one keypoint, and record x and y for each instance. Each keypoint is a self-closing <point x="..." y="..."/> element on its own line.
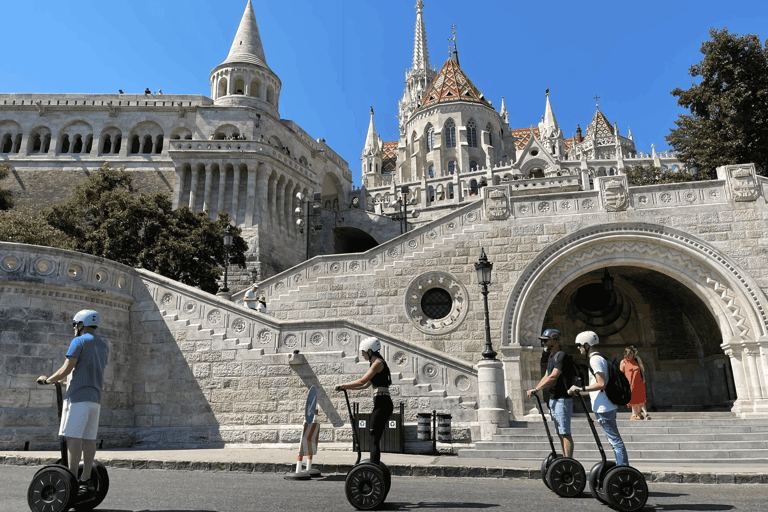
<point x="632" y="371"/>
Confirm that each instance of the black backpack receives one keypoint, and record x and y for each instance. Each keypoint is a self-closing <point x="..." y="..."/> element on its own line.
<point x="617" y="390"/>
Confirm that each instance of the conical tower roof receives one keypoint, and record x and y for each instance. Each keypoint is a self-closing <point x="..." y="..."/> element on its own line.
<point x="599" y="125"/>
<point x="452" y="84"/>
<point x="247" y="46"/>
<point x="371" y="140"/>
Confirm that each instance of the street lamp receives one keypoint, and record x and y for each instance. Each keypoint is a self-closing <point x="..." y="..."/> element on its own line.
<point x="483" y="268"/>
<point x="607" y="281"/>
<point x="402" y="209"/>
<point x="301" y="224"/>
<point x="227" y="246"/>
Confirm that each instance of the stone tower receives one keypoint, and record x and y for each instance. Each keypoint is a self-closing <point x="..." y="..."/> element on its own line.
<point x="371" y="156"/>
<point x="420" y="76"/>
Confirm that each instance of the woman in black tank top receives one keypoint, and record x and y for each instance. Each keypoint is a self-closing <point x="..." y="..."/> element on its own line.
<point x="379" y="377"/>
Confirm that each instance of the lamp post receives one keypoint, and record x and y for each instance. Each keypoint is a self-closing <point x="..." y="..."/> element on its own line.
<point x="483" y="268"/>
<point x="227" y="245"/>
<point x="312" y="205"/>
<point x="402" y="209"/>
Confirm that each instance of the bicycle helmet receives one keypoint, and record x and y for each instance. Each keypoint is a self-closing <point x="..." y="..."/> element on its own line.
<point x="551" y="334"/>
<point x="370" y="344"/>
<point x="587" y="338"/>
<point x="89" y="317"/>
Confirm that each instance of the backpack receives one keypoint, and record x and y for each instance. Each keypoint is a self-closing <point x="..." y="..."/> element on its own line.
<point x="574" y="373"/>
<point x="617" y="390"/>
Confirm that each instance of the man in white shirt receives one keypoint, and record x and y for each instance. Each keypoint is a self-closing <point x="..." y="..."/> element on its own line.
<point x="604" y="409"/>
<point x="250" y="296"/>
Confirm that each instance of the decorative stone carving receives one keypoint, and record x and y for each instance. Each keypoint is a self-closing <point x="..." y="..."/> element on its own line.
<point x="741" y="181"/>
<point x="167" y="299"/>
<point x="432" y="234"/>
<point x="497" y="204"/>
<point x="666" y="197"/>
<point x="472" y="216"/>
<point x="291" y="341"/>
<point x="317" y="269"/>
<point x="317" y="339"/>
<point x="265" y="336"/>
<point x="75" y="271"/>
<point x="335" y="267"/>
<point x="354" y="266"/>
<point x="451" y="225"/>
<point x="393" y="252"/>
<point x="44" y="266"/>
<point x="343" y="338"/>
<point x="400" y="358"/>
<point x="238" y="325"/>
<point x="587" y="204"/>
<point x="430" y="371"/>
<point x="11" y="263"/>
<point x="462" y="383"/>
<point x="565" y="205"/>
<point x="413" y="244"/>
<point x="614" y="193"/>
<point x="190" y="306"/>
<point x="374" y="262"/>
<point x="214" y="316"/>
<point x="414" y="294"/>
<point x="523" y="208"/>
<point x="690" y="196"/>
<point x="544" y="207"/>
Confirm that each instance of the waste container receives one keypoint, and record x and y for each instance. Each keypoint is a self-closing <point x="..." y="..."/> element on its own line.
<point x="393" y="439"/>
<point x="423" y="427"/>
<point x="444" y="427"/>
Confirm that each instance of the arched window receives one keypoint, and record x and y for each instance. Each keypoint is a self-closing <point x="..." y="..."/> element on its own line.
<point x="451" y="167"/>
<point x="255" y="85"/>
<point x="36" y="143"/>
<point x="147" y="147"/>
<point x="472" y="166"/>
<point x="270" y="94"/>
<point x="7" y="143"/>
<point x="473" y="188"/>
<point x="490" y="135"/>
<point x="431" y="194"/>
<point x="107" y="147"/>
<point x="414" y="147"/>
<point x="65" y="144"/>
<point x="450" y="191"/>
<point x="222" y="87"/>
<point x="431" y="171"/>
<point x="159" y="145"/>
<point x="118" y="143"/>
<point x="450" y="134"/>
<point x="472" y="134"/>
<point x="430" y="138"/>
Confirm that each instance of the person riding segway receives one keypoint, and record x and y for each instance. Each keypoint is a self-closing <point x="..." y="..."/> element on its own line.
<point x="367" y="484"/>
<point x="616" y="484"/>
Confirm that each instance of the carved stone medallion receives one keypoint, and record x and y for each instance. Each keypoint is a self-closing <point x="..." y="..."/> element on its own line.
<point x="615" y="195"/>
<point x="497" y="204"/>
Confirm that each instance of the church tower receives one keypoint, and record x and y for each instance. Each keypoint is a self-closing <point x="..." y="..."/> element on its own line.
<point x="244" y="78"/>
<point x="371" y="156"/>
<point x="420" y="76"/>
<point x="550" y="133"/>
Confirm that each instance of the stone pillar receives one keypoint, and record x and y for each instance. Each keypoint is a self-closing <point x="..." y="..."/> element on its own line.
<point x="754" y="377"/>
<point x="261" y="193"/>
<point x="492" y="412"/>
<point x="178" y="187"/>
<point x="193" y="188"/>
<point x="250" y="201"/>
<point x="271" y="202"/>
<point x="236" y="196"/>
<point x="207" y="190"/>
<point x="279" y="206"/>
<point x="222" y="188"/>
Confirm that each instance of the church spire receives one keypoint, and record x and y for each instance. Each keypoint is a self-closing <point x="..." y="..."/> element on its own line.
<point x="548" y="126"/>
<point x="420" y="51"/>
<point x="371" y="140"/>
<point x="247" y="44"/>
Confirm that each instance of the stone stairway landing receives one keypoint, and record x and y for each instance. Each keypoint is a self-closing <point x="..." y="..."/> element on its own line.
<point x="669" y="436"/>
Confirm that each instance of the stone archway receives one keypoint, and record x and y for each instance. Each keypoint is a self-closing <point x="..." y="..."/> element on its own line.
<point x="733" y="299"/>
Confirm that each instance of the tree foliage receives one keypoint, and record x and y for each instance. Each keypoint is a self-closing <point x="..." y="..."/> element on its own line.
<point x="728" y="120"/>
<point x="651" y="175"/>
<point x="6" y="197"/>
<point x="105" y="217"/>
<point x="22" y="225"/>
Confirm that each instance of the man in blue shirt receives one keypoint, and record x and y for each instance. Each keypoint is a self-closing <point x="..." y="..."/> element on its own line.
<point x="84" y="370"/>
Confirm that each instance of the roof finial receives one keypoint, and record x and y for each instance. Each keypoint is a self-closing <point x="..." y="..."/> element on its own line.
<point x="596" y="103"/>
<point x="455" y="50"/>
<point x="547" y="91"/>
<point x="371" y="109"/>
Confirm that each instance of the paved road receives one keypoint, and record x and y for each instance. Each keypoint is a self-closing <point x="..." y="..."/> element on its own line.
<point x="201" y="491"/>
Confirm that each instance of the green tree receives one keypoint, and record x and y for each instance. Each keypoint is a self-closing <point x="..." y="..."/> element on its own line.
<point x="107" y="218"/>
<point x="22" y="225"/>
<point x="652" y="175"/>
<point x="6" y="197"/>
<point x="728" y="120"/>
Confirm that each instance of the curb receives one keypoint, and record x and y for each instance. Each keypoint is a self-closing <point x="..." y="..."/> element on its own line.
<point x="413" y="470"/>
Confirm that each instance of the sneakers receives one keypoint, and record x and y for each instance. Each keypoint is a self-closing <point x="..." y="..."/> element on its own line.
<point x="86" y="487"/>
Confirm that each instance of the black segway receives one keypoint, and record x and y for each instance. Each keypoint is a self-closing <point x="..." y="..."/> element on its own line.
<point x="621" y="487"/>
<point x="563" y="475"/>
<point x="54" y="488"/>
<point x="367" y="484"/>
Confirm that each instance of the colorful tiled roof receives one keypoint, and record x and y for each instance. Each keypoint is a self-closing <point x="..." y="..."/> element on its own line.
<point x="523" y="135"/>
<point x="389" y="155"/>
<point x="451" y="84"/>
<point x="599" y="125"/>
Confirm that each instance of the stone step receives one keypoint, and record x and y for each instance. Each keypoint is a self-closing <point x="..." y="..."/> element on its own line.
<point x="650" y="430"/>
<point x="587" y="459"/>
<point x="635" y="446"/>
<point x="638" y="438"/>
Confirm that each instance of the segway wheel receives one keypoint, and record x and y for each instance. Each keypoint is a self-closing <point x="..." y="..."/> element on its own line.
<point x="545" y="467"/>
<point x="100" y="479"/>
<point x="53" y="489"/>
<point x="387" y="479"/>
<point x="625" y="488"/>
<point x="365" y="486"/>
<point x="595" y="481"/>
<point x="566" y="477"/>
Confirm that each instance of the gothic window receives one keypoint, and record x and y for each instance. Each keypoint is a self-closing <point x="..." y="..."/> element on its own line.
<point x="107" y="147"/>
<point x="78" y="146"/>
<point x="414" y="148"/>
<point x="472" y="134"/>
<point x="7" y="144"/>
<point x="430" y="138"/>
<point x="450" y="191"/>
<point x="222" y="87"/>
<point x="431" y="194"/>
<point x="147" y="146"/>
<point x="65" y="144"/>
<point x="431" y="171"/>
<point x="451" y="167"/>
<point x="255" y="85"/>
<point x="450" y="134"/>
<point x="490" y="135"/>
<point x="472" y="166"/>
<point x="239" y="85"/>
<point x="270" y="94"/>
<point x="36" y="143"/>
<point x="88" y="143"/>
<point x="473" y="188"/>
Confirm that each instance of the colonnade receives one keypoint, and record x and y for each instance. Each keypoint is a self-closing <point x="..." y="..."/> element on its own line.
<point x="253" y="193"/>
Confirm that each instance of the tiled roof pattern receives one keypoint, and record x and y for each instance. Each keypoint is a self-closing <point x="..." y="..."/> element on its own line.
<point x="523" y="135"/>
<point x="600" y="125"/>
<point x="568" y="144"/>
<point x="451" y="84"/>
<point x="389" y="155"/>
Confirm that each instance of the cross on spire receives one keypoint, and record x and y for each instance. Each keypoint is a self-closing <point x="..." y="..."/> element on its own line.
<point x="596" y="103"/>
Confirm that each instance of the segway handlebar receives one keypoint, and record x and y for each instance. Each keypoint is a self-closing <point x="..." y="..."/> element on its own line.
<point x="546" y="425"/>
<point x="355" y="441"/>
<point x="578" y="393"/>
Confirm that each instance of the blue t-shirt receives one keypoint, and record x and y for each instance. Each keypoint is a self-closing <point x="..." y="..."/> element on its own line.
<point x="87" y="379"/>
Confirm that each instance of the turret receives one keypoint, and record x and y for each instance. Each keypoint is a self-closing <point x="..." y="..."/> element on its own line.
<point x="371" y="158"/>
<point x="244" y="78"/>
<point x="420" y="76"/>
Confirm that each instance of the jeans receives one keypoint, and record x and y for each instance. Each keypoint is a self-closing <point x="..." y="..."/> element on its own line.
<point x="608" y="422"/>
<point x="562" y="411"/>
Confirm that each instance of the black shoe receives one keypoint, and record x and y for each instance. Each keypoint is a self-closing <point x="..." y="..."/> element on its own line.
<point x="86" y="487"/>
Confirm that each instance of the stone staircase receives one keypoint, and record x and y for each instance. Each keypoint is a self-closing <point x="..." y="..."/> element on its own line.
<point x="669" y="437"/>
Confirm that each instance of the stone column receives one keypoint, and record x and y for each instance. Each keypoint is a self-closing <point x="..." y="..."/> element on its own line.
<point x="236" y="196"/>
<point x="250" y="201"/>
<point x="207" y="190"/>
<point x="178" y="187"/>
<point x="492" y="412"/>
<point x="193" y="188"/>
<point x="261" y="193"/>
<point x="271" y="201"/>
<point x="279" y="206"/>
<point x="222" y="188"/>
<point x="739" y="380"/>
<point x="754" y="377"/>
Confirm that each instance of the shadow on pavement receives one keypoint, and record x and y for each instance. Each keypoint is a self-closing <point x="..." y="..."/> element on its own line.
<point x="702" y="506"/>
<point x="437" y="505"/>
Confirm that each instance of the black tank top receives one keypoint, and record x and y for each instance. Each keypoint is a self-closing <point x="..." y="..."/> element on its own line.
<point x="383" y="378"/>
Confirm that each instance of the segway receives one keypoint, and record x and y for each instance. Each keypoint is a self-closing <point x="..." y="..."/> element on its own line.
<point x="621" y="487"/>
<point x="54" y="488"/>
<point x="367" y="484"/>
<point x="565" y="476"/>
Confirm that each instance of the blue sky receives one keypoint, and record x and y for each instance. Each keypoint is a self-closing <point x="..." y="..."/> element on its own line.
<point x="336" y="58"/>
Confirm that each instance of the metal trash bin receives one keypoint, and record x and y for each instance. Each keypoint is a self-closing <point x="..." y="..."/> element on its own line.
<point x="444" y="427"/>
<point x="424" y="429"/>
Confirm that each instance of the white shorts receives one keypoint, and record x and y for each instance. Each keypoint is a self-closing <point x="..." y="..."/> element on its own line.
<point x="80" y="420"/>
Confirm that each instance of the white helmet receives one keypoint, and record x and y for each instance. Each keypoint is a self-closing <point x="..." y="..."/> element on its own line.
<point x="587" y="338"/>
<point x="89" y="317"/>
<point x="370" y="343"/>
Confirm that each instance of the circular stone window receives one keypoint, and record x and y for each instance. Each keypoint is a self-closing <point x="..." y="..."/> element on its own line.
<point x="436" y="302"/>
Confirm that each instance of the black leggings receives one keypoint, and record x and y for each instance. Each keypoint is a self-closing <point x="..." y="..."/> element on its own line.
<point x="382" y="410"/>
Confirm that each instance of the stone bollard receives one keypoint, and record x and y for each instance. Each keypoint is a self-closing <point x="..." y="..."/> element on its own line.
<point x="492" y="412"/>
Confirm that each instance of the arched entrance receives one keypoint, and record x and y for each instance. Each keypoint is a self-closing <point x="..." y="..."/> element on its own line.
<point x="349" y="240"/>
<point x="677" y="336"/>
<point x="332" y="193"/>
<point x="729" y="299"/>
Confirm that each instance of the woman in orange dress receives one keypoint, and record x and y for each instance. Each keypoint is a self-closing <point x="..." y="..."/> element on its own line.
<point x="633" y="369"/>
